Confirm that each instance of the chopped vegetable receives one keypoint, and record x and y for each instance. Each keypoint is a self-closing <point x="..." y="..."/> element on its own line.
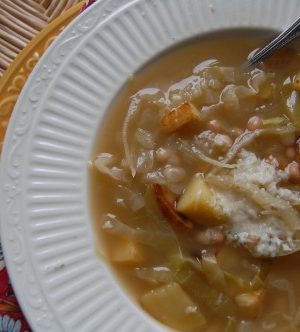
<point x="249" y="136"/>
<point x="199" y="203"/>
<point x="112" y="225"/>
<point x="179" y="117"/>
<point x="290" y="95"/>
<point x="286" y="289"/>
<point x="194" y="153"/>
<point x="155" y="275"/>
<point x="293" y="106"/>
<point x="115" y="227"/>
<point x="191" y="281"/>
<point x="230" y="283"/>
<point x="276" y="121"/>
<point x="237" y="284"/>
<point x="212" y="271"/>
<point x="104" y="163"/>
<point x="240" y="142"/>
<point x="150" y="96"/>
<point x="145" y="138"/>
<point x="251" y="304"/>
<point x="209" y="160"/>
<point x="131" y="198"/>
<point x="125" y="251"/>
<point x="144" y="161"/>
<point x="231" y="325"/>
<point x="166" y="241"/>
<point x="243" y="273"/>
<point x="172" y="306"/>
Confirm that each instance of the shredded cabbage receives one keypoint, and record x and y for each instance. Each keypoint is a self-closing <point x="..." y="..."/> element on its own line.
<point x="249" y="136"/>
<point x="285" y="286"/>
<point x="133" y="199"/>
<point x="194" y="153"/>
<point x="111" y="224"/>
<point x="104" y="164"/>
<point x="190" y="280"/>
<point x="150" y="96"/>
<point x="155" y="275"/>
<point x="212" y="271"/>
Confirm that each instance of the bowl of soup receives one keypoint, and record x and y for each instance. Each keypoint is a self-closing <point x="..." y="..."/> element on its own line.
<point x="157" y="177"/>
<point x="200" y="177"/>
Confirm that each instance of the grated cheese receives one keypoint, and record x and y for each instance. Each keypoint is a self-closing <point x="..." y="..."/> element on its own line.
<point x="247" y="220"/>
<point x="254" y="170"/>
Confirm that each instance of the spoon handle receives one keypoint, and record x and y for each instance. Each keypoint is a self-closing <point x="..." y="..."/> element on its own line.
<point x="284" y="38"/>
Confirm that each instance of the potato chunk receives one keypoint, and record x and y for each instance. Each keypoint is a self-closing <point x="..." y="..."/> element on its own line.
<point x="179" y="117"/>
<point x="172" y="306"/>
<point x="125" y="251"/>
<point x="198" y="203"/>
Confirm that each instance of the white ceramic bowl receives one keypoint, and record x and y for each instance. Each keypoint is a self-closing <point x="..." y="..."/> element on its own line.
<point x="46" y="223"/>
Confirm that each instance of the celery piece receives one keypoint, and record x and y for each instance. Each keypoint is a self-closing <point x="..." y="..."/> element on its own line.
<point x="164" y="239"/>
<point x="256" y="282"/>
<point x="195" y="285"/>
<point x="213" y="272"/>
<point x="276" y="121"/>
<point x="231" y="324"/>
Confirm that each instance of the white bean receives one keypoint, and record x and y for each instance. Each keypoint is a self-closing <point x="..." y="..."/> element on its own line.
<point x="224" y="142"/>
<point x="255" y="122"/>
<point x="293" y="171"/>
<point x="169" y="156"/>
<point x="215" y="126"/>
<point x="162" y="154"/>
<point x="174" y="174"/>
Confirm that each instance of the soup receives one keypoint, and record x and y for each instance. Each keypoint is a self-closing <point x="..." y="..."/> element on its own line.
<point x="195" y="187"/>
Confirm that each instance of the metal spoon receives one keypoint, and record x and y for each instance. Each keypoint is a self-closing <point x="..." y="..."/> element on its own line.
<point x="281" y="40"/>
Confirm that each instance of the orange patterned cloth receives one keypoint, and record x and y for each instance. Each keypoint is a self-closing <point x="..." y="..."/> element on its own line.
<point x="11" y="316"/>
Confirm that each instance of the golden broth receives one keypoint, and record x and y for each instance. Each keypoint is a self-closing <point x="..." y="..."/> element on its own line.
<point x="282" y="287"/>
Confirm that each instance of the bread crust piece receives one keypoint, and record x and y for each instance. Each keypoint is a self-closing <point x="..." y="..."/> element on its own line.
<point x="166" y="205"/>
<point x="179" y="117"/>
<point x="198" y="203"/>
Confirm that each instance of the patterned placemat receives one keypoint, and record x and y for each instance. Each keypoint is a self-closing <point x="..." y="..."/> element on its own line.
<point x="13" y="75"/>
<point x="22" y="20"/>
